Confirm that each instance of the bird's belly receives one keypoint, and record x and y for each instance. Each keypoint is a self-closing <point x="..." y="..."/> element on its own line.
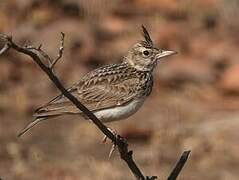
<point x="120" y="112"/>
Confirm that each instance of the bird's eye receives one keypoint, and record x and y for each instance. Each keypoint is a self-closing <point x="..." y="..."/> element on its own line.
<point x="146" y="52"/>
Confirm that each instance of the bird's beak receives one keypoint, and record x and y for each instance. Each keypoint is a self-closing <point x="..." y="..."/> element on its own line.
<point x="165" y="53"/>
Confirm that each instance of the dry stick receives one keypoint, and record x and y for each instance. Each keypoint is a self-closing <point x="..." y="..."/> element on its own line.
<point x="61" y="49"/>
<point x="42" y="53"/>
<point x="179" y="165"/>
<point x="121" y="144"/>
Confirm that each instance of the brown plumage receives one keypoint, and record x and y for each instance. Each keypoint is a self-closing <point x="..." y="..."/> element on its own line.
<point x="112" y="92"/>
<point x="106" y="87"/>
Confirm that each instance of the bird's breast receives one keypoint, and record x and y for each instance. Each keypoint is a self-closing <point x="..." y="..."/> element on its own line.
<point x="120" y="112"/>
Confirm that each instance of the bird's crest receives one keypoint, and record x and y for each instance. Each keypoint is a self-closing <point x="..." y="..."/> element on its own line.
<point x="147" y="39"/>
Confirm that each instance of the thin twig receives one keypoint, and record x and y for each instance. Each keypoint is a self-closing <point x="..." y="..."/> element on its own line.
<point x="151" y="178"/>
<point x="120" y="142"/>
<point x="179" y="165"/>
<point x="41" y="51"/>
<point x="60" y="53"/>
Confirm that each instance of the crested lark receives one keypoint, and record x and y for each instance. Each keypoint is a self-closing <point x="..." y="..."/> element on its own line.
<point x="111" y="92"/>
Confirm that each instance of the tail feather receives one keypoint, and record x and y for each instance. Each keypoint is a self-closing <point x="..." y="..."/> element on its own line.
<point x="55" y="109"/>
<point x="31" y="125"/>
<point x="48" y="112"/>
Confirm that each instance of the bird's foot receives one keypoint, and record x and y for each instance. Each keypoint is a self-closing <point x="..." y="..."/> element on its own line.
<point x="113" y="145"/>
<point x="114" y="132"/>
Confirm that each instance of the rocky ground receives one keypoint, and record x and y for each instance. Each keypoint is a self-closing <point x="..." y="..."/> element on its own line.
<point x="194" y="104"/>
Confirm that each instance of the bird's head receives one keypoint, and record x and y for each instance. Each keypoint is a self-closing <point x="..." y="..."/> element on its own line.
<point x="144" y="55"/>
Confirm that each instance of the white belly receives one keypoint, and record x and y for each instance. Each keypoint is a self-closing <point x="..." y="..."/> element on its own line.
<point x="120" y="112"/>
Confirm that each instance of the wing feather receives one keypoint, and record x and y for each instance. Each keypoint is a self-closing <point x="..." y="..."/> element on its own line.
<point x="95" y="93"/>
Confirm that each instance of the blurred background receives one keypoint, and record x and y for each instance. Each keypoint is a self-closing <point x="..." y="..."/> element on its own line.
<point x="194" y="104"/>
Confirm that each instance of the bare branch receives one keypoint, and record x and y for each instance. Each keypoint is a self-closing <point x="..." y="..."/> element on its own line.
<point x="41" y="52"/>
<point x="151" y="178"/>
<point x="179" y="165"/>
<point x="118" y="141"/>
<point x="127" y="156"/>
<point x="60" y="53"/>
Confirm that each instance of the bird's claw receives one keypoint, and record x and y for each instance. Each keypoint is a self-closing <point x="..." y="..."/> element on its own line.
<point x="112" y="131"/>
<point x="113" y="145"/>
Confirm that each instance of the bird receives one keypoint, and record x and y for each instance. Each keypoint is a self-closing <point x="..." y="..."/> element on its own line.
<point x="112" y="92"/>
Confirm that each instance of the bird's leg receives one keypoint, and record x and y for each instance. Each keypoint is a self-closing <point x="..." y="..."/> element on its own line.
<point x="113" y="144"/>
<point x="113" y="132"/>
<point x="112" y="150"/>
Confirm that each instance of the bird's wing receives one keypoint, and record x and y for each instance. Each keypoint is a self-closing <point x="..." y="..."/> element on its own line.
<point x="95" y="92"/>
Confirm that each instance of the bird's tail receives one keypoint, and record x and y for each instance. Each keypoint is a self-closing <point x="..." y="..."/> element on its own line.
<point x="32" y="124"/>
